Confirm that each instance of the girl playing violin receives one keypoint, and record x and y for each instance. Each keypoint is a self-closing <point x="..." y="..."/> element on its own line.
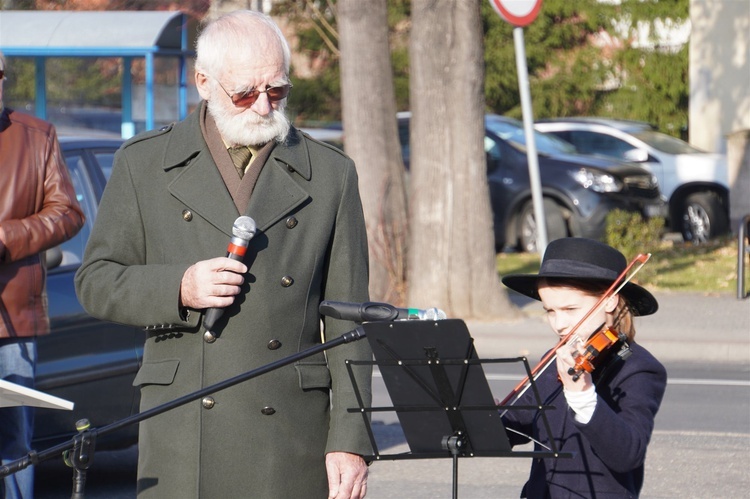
<point x="604" y="417"/>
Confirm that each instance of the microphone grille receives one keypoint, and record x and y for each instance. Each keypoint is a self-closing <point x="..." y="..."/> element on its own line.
<point x="244" y="228"/>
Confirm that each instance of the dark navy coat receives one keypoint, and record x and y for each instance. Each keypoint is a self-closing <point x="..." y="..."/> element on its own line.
<point x="610" y="450"/>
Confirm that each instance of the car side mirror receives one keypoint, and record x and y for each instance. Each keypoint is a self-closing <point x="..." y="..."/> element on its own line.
<point x="636" y="155"/>
<point x="53" y="257"/>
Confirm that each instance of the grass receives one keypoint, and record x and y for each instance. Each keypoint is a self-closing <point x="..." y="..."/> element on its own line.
<point x="673" y="266"/>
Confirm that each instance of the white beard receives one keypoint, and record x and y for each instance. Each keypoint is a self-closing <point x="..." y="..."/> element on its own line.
<point x="249" y="128"/>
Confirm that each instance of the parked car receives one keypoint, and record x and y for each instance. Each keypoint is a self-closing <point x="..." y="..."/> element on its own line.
<point x="87" y="361"/>
<point x="695" y="182"/>
<point x="333" y="136"/>
<point x="579" y="191"/>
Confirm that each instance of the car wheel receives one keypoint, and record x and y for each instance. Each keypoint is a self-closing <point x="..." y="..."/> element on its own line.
<point x="527" y="227"/>
<point x="703" y="218"/>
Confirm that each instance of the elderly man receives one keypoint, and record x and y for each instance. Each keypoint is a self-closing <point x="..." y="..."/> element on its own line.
<point x="38" y="210"/>
<point x="152" y="260"/>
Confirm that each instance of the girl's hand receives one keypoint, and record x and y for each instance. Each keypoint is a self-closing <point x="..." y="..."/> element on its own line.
<point x="565" y="360"/>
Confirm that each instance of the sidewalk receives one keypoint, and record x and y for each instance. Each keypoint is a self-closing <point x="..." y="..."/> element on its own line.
<point x="689" y="326"/>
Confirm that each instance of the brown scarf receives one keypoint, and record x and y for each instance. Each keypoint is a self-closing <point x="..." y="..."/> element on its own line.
<point x="239" y="188"/>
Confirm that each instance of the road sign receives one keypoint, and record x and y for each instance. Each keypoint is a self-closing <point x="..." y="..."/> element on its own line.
<point x="519" y="13"/>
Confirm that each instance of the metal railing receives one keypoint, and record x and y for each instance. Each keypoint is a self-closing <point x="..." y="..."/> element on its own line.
<point x="743" y="248"/>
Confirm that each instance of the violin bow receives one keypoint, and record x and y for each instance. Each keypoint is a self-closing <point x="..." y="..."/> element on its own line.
<point x="615" y="288"/>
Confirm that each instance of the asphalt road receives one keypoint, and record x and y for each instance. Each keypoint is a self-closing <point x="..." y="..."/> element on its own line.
<point x="700" y="447"/>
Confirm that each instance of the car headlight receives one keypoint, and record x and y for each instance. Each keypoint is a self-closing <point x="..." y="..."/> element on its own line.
<point x="597" y="181"/>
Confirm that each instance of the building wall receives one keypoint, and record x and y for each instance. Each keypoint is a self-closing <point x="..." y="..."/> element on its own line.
<point x="719" y="71"/>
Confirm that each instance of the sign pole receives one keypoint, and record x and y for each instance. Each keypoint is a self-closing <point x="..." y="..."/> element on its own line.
<point x="521" y="13"/>
<point x="531" y="152"/>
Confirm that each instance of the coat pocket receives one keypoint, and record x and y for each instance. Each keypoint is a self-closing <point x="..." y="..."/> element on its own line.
<point x="313" y="376"/>
<point x="162" y="372"/>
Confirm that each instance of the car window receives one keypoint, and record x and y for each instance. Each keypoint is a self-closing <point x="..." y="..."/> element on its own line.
<point x="73" y="248"/>
<point x="492" y="148"/>
<point x="513" y="133"/>
<point x="667" y="143"/>
<point x="493" y="152"/>
<point x="105" y="160"/>
<point x="598" y="143"/>
<point x="562" y="134"/>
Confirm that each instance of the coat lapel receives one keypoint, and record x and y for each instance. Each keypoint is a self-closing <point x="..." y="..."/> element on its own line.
<point x="200" y="187"/>
<point x="277" y="191"/>
<point x="198" y="183"/>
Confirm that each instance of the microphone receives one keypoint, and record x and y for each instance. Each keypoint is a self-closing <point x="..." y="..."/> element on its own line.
<point x="377" y="312"/>
<point x="242" y="231"/>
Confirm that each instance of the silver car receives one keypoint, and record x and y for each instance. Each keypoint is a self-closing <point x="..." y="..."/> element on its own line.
<point x="696" y="183"/>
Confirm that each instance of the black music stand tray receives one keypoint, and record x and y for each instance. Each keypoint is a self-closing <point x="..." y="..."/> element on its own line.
<point x="440" y="393"/>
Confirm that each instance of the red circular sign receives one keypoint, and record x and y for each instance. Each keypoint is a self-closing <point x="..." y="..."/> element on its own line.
<point x="519" y="13"/>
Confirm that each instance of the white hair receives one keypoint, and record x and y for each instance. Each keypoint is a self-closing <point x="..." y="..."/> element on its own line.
<point x="230" y="31"/>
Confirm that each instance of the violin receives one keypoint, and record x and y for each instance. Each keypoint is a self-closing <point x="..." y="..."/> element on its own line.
<point x="594" y="351"/>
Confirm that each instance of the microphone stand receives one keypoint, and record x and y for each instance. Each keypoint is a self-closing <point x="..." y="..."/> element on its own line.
<point x="84" y="442"/>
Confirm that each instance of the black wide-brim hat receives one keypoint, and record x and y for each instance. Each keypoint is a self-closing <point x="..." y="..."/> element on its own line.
<point x="588" y="260"/>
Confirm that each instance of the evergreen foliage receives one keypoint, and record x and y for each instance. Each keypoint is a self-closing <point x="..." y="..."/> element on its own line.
<point x="631" y="234"/>
<point x="577" y="67"/>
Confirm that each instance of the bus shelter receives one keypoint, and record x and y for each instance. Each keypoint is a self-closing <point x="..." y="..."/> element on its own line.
<point x="121" y="34"/>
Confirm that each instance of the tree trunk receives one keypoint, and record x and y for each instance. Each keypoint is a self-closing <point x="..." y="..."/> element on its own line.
<point x="369" y="117"/>
<point x="451" y="261"/>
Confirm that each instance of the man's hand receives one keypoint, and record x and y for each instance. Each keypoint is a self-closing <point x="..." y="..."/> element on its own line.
<point x="212" y="283"/>
<point x="347" y="475"/>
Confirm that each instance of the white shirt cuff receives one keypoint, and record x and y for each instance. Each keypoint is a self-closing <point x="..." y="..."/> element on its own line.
<point x="582" y="403"/>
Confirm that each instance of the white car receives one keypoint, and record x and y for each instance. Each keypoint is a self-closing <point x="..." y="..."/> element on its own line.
<point x="695" y="182"/>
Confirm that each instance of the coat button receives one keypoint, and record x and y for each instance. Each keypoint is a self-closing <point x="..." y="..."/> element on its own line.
<point x="209" y="337"/>
<point x="274" y="344"/>
<point x="208" y="402"/>
<point x="187" y="215"/>
<point x="268" y="411"/>
<point x="291" y="222"/>
<point x="287" y="281"/>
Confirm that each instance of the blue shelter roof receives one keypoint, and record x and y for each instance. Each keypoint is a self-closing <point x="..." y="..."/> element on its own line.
<point x="124" y="34"/>
<point x="70" y="33"/>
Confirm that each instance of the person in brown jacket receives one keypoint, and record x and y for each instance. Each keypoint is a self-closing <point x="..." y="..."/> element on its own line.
<point x="38" y="210"/>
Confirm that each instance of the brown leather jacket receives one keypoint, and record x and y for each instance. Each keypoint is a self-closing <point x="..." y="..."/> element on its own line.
<point x="38" y="210"/>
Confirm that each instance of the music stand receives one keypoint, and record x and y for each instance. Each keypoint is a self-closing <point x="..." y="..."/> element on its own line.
<point x="439" y="393"/>
<point x="12" y="395"/>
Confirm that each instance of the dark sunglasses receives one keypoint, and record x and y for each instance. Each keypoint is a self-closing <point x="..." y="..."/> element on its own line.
<point x="247" y="99"/>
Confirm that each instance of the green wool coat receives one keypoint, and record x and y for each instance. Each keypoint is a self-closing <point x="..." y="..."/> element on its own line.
<point x="167" y="207"/>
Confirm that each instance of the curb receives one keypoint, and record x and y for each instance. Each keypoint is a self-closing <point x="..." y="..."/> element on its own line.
<point x="689" y="327"/>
